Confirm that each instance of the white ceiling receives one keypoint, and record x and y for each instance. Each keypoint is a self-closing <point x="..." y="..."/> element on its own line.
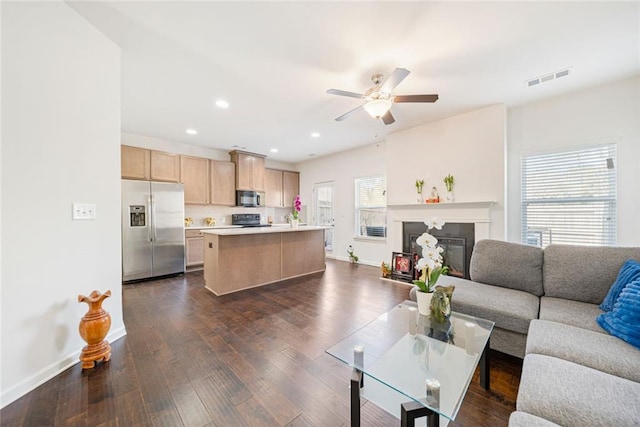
<point x="274" y="61"/>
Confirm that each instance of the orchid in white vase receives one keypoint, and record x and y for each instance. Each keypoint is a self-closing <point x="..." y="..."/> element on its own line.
<point x="431" y="262"/>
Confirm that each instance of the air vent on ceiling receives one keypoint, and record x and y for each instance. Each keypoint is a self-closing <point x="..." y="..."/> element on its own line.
<point x="548" y="77"/>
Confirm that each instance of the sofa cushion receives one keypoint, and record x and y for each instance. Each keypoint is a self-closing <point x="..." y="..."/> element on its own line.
<point x="506" y="264"/>
<point x="508" y="308"/>
<point x="522" y="419"/>
<point x="583" y="273"/>
<point x="575" y="313"/>
<point x="598" y="351"/>
<point x="624" y="320"/>
<point x="573" y="395"/>
<point x="629" y="272"/>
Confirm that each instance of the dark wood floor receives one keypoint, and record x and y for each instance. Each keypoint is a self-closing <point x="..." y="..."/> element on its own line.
<point x="254" y="358"/>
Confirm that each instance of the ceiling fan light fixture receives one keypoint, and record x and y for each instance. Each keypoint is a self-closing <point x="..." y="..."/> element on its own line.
<point x="378" y="107"/>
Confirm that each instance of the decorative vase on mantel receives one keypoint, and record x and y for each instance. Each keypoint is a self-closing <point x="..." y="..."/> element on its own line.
<point x="449" y="196"/>
<point x="94" y="327"/>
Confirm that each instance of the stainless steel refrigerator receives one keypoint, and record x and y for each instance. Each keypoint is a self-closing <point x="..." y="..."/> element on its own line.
<point x="152" y="229"/>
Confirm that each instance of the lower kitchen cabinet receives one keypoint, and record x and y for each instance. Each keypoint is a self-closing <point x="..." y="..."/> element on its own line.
<point x="194" y="249"/>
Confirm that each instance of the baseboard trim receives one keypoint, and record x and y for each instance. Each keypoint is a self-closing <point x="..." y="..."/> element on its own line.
<point x="45" y="374"/>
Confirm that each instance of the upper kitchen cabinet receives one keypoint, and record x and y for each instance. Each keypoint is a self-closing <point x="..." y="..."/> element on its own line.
<point x="165" y="166"/>
<point x="135" y="163"/>
<point x="281" y="187"/>
<point x="273" y="187"/>
<point x="290" y="187"/>
<point x="194" y="174"/>
<point x="249" y="170"/>
<point x="223" y="179"/>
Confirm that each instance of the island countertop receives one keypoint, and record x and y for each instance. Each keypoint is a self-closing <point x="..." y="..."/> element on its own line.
<point x="262" y="230"/>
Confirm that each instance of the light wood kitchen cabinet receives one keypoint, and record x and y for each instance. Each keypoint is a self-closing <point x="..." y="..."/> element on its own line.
<point x="165" y="166"/>
<point x="249" y="170"/>
<point x="194" y="174"/>
<point x="135" y="163"/>
<point x="273" y="187"/>
<point x="194" y="249"/>
<point x="281" y="187"/>
<point x="223" y="183"/>
<point x="290" y="187"/>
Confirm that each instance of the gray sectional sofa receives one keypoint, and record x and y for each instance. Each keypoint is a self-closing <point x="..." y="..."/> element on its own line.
<point x="544" y="304"/>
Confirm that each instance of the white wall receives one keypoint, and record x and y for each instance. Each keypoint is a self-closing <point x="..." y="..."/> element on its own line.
<point x="342" y="169"/>
<point x="470" y="146"/>
<point x="599" y="115"/>
<point x="60" y="142"/>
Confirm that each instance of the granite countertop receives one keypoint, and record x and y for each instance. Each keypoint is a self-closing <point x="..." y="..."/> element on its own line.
<point x="261" y="230"/>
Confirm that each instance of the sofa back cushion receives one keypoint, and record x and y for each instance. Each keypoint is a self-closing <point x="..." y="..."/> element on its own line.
<point x="583" y="273"/>
<point x="506" y="264"/>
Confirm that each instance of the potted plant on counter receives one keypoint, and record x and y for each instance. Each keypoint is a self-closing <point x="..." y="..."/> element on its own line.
<point x="430" y="265"/>
<point x="294" y="219"/>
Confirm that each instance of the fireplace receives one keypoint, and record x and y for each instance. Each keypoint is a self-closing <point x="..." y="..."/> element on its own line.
<point x="457" y="240"/>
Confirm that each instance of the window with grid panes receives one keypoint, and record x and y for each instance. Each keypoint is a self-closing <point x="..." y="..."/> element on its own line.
<point x="570" y="197"/>
<point x="371" y="206"/>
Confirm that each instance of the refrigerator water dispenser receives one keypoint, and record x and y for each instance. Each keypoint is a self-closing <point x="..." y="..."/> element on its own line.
<point x="137" y="217"/>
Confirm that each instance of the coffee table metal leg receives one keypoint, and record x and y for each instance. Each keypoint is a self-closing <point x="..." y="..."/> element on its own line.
<point x="356" y="380"/>
<point x="484" y="368"/>
<point x="410" y="411"/>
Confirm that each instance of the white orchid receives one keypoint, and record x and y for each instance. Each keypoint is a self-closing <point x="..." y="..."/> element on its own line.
<point x="426" y="240"/>
<point x="431" y="262"/>
<point x="434" y="223"/>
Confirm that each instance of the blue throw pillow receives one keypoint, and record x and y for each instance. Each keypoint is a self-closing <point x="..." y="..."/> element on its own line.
<point x="624" y="320"/>
<point x="629" y="272"/>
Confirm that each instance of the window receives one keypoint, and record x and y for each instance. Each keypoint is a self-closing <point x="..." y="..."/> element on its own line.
<point x="570" y="197"/>
<point x="371" y="206"/>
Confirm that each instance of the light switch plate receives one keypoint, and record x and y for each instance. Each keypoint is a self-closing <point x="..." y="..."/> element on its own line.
<point x="84" y="211"/>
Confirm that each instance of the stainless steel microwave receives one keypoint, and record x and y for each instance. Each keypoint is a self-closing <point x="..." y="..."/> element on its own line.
<point x="249" y="199"/>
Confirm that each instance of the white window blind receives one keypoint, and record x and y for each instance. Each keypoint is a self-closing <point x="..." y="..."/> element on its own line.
<point x="570" y="197"/>
<point x="371" y="206"/>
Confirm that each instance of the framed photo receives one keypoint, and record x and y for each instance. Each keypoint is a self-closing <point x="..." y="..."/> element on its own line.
<point x="402" y="266"/>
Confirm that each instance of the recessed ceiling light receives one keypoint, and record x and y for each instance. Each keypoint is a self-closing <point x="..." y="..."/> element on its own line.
<point x="312" y="155"/>
<point x="274" y="150"/>
<point x="192" y="131"/>
<point x="315" y="135"/>
<point x="221" y="103"/>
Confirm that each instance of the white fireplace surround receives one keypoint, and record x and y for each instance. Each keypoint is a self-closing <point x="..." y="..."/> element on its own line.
<point x="478" y="213"/>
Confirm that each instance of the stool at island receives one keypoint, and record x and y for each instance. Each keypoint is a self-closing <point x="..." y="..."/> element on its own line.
<point x="94" y="327"/>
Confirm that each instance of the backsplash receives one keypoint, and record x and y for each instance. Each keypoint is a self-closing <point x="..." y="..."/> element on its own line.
<point x="222" y="214"/>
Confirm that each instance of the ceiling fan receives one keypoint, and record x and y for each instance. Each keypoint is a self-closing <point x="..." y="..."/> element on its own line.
<point x="379" y="98"/>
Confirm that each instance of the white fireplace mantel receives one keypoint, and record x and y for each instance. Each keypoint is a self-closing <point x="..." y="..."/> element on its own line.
<point x="478" y="213"/>
<point x="451" y="205"/>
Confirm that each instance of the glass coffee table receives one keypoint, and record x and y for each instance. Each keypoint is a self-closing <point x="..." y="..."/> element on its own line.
<point x="429" y="365"/>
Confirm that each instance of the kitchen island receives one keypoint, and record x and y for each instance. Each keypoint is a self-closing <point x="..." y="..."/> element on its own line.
<point x="242" y="258"/>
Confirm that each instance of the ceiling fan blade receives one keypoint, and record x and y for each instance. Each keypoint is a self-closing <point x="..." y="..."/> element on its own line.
<point x="394" y="79"/>
<point x="415" y="98"/>
<point x="345" y="93"/>
<point x="348" y="113"/>
<point x="388" y="118"/>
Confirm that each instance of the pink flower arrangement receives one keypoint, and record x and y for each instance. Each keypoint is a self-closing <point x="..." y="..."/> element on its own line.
<point x="297" y="206"/>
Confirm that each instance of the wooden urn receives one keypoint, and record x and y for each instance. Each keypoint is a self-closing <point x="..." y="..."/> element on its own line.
<point x="94" y="327"/>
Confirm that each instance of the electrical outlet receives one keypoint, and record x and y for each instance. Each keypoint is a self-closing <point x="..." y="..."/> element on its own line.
<point x="84" y="211"/>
